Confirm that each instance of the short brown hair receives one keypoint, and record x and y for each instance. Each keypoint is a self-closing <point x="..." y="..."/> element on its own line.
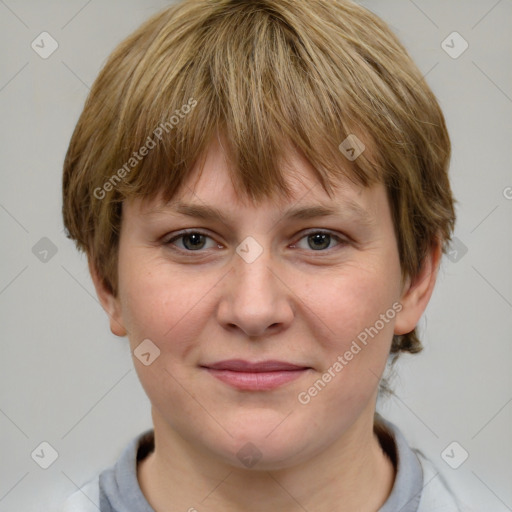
<point x="266" y="74"/>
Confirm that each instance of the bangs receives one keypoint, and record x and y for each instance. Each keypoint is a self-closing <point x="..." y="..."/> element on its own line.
<point x="326" y="79"/>
<point x="242" y="72"/>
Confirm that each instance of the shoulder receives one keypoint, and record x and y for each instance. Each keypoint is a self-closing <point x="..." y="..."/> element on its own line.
<point x="418" y="482"/>
<point x="436" y="495"/>
<point x="86" y="499"/>
<point x="116" y="486"/>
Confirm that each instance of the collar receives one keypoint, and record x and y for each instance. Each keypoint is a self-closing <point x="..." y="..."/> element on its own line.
<point x="120" y="489"/>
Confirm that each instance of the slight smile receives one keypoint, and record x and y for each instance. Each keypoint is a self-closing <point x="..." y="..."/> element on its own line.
<point x="262" y="376"/>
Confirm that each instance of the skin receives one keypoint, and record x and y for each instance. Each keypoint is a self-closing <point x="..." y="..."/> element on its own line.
<point x="303" y="301"/>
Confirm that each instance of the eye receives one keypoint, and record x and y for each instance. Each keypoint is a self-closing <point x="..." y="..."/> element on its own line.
<point x="195" y="241"/>
<point x="320" y="240"/>
<point x="192" y="241"/>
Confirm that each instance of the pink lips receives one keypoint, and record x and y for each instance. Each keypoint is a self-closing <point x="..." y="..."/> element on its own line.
<point x="261" y="376"/>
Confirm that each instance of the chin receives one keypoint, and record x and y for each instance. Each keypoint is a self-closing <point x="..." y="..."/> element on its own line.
<point x="270" y="456"/>
<point x="266" y="445"/>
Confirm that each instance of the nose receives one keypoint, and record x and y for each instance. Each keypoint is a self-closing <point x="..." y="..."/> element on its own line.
<point x="255" y="298"/>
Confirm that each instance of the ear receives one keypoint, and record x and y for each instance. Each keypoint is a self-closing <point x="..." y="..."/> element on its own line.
<point x="109" y="302"/>
<point x="417" y="292"/>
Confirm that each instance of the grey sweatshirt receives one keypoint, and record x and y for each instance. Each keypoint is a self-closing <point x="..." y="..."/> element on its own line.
<point x="418" y="486"/>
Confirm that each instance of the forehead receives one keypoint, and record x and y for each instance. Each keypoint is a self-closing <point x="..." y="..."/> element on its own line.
<point x="209" y="187"/>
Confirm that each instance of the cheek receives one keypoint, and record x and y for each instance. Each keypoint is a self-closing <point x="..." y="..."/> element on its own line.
<point x="355" y="319"/>
<point x="168" y="306"/>
<point x="352" y="301"/>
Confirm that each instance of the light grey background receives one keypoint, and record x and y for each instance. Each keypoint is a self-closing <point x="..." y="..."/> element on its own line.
<point x="66" y="380"/>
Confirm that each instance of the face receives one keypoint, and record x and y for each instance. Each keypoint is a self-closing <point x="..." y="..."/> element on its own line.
<point x="264" y="327"/>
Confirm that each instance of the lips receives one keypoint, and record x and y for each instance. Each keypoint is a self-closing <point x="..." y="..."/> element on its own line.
<point x="239" y="365"/>
<point x="252" y="376"/>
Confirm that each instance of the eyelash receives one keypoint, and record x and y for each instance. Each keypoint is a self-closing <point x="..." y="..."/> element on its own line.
<point x="341" y="241"/>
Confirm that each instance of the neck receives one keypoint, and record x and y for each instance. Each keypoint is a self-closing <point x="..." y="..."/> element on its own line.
<point x="353" y="474"/>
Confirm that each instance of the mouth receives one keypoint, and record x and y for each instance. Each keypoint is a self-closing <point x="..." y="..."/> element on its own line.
<point x="261" y="376"/>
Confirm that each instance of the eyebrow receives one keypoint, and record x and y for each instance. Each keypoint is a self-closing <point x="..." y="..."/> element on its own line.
<point x="348" y="209"/>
